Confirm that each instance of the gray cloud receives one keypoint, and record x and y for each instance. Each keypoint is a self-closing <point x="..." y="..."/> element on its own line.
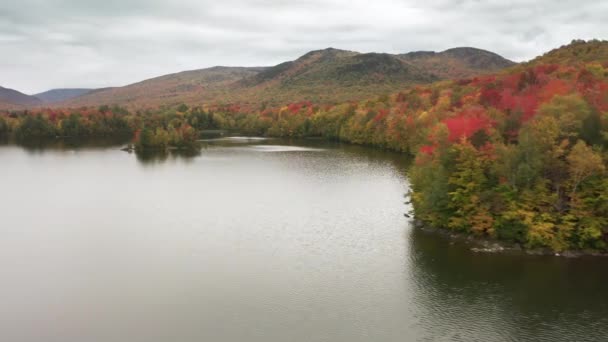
<point x="84" y="43"/>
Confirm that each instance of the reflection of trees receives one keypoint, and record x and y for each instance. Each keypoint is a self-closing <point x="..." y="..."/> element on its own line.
<point x="152" y="157"/>
<point x="42" y="144"/>
<point x="38" y="146"/>
<point x="506" y="296"/>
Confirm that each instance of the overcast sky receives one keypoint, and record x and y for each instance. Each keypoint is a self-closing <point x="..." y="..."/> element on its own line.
<point x="88" y="43"/>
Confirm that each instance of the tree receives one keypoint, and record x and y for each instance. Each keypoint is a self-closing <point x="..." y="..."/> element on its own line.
<point x="182" y="108"/>
<point x="430" y="191"/>
<point x="72" y="127"/>
<point x="467" y="183"/>
<point x="570" y="112"/>
<point x="590" y="206"/>
<point x="583" y="163"/>
<point x="144" y="139"/>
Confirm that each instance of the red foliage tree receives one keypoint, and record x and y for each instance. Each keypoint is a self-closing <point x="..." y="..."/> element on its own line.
<point x="382" y="113"/>
<point x="490" y="97"/>
<point x="427" y="149"/>
<point x="552" y="88"/>
<point x="466" y="123"/>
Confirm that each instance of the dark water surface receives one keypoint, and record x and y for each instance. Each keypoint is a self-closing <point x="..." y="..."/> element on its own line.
<point x="259" y="240"/>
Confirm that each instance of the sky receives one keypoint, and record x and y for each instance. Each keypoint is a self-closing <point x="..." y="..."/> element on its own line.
<point x="47" y="44"/>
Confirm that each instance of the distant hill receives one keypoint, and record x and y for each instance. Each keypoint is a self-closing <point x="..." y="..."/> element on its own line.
<point x="58" y="95"/>
<point x="324" y="76"/>
<point x="10" y="98"/>
<point x="456" y="63"/>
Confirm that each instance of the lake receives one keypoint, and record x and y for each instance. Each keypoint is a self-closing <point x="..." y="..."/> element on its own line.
<point x="259" y="240"/>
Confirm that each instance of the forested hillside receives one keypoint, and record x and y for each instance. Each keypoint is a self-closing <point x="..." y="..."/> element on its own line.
<point x="577" y="52"/>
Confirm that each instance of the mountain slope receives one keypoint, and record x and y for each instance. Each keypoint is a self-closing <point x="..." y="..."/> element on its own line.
<point x="58" y="95"/>
<point x="187" y="86"/>
<point x="12" y="98"/>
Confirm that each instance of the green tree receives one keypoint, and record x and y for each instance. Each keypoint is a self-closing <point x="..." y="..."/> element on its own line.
<point x="72" y="126"/>
<point x="569" y="111"/>
<point x="467" y="183"/>
<point x="34" y="126"/>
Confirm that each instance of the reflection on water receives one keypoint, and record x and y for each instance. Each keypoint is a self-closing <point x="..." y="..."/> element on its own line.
<point x="282" y="148"/>
<point x="67" y="144"/>
<point x="161" y="156"/>
<point x="232" y="139"/>
<point x="307" y="243"/>
<point x="492" y="297"/>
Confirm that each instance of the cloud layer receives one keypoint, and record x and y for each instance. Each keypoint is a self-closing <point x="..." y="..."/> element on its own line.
<point x="86" y="43"/>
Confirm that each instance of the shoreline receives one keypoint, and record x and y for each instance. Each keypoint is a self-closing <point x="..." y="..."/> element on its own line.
<point x="478" y="244"/>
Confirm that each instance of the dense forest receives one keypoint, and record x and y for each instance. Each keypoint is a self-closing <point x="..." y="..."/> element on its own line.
<point x="519" y="156"/>
<point x="150" y="130"/>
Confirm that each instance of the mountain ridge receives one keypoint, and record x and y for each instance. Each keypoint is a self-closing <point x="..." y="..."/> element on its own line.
<point x="326" y="75"/>
<point x="62" y="94"/>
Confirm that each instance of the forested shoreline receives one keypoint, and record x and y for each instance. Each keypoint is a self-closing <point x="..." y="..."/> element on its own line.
<point x="520" y="156"/>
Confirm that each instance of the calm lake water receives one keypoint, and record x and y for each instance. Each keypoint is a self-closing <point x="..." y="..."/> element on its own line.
<point x="259" y="240"/>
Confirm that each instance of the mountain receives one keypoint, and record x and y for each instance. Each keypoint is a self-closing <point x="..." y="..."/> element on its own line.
<point x="10" y="98"/>
<point x="58" y="95"/>
<point x="463" y="62"/>
<point x="332" y="75"/>
<point x="322" y="76"/>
